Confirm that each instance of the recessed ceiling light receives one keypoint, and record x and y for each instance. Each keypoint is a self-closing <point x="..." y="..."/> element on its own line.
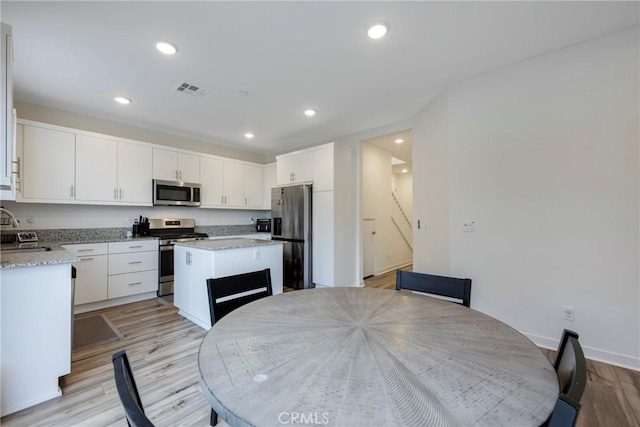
<point x="399" y="141"/>
<point x="309" y="113"/>
<point x="166" y="48"/>
<point x="405" y="170"/>
<point x="122" y="100"/>
<point x="249" y="135"/>
<point x="377" y="30"/>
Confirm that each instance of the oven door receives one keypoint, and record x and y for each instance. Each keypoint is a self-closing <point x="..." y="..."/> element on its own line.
<point x="165" y="286"/>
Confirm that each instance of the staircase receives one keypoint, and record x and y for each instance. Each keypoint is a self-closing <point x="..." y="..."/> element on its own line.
<point x="401" y="220"/>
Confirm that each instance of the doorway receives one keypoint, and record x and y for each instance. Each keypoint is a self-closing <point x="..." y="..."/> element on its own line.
<point x="368" y="247"/>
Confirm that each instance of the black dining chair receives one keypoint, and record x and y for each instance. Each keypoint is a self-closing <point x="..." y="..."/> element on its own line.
<point x="128" y="391"/>
<point x="221" y="301"/>
<point x="436" y="285"/>
<point x="571" y="368"/>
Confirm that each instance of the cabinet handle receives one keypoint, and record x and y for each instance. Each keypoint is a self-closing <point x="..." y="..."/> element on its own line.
<point x="115" y="194"/>
<point x="17" y="172"/>
<point x="180" y="176"/>
<point x="85" y="250"/>
<point x="121" y="194"/>
<point x="225" y="200"/>
<point x="245" y="201"/>
<point x="87" y="259"/>
<point x="71" y="190"/>
<point x="135" y="283"/>
<point x="221" y="200"/>
<point x="135" y="247"/>
<point x="135" y="262"/>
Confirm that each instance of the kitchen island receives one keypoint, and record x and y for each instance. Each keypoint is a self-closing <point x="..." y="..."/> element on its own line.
<point x="195" y="262"/>
<point x="36" y="291"/>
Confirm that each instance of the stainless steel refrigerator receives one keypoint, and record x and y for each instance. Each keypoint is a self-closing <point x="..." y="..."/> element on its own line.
<point x="291" y="223"/>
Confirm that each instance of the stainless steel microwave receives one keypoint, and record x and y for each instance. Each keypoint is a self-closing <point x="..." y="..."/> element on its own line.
<point x="173" y="193"/>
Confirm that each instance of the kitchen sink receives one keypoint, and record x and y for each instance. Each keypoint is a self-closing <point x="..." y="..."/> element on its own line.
<point x="24" y="250"/>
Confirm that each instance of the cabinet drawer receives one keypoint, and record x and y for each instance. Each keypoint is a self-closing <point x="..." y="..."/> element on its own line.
<point x="87" y="249"/>
<point x="132" y="262"/>
<point x="122" y="285"/>
<point x="133" y="246"/>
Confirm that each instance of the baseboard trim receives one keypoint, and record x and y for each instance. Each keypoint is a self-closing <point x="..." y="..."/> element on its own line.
<point x="394" y="267"/>
<point x="591" y="353"/>
<point x="99" y="305"/>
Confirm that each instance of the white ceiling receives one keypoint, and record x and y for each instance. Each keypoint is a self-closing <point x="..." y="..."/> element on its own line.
<point x="402" y="151"/>
<point x="289" y="56"/>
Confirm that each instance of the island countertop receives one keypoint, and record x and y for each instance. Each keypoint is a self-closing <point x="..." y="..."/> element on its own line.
<point x="223" y="244"/>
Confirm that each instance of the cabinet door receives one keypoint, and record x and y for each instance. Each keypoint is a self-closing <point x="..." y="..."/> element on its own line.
<point x="188" y="168"/>
<point x="252" y="186"/>
<point x="91" y="279"/>
<point x="303" y="167"/>
<point x="269" y="181"/>
<point x="96" y="169"/>
<point x="181" y="280"/>
<point x="165" y="164"/>
<point x="284" y="170"/>
<point x="323" y="169"/>
<point x="135" y="171"/>
<point x="233" y="184"/>
<point x="49" y="164"/>
<point x="212" y="180"/>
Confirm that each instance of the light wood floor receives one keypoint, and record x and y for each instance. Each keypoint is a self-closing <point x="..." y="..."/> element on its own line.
<point x="163" y="348"/>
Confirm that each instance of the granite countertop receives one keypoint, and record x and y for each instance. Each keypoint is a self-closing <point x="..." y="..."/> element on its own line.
<point x="222" y="244"/>
<point x="34" y="259"/>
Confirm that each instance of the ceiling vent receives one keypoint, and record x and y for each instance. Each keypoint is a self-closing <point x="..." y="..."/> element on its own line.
<point x="189" y="89"/>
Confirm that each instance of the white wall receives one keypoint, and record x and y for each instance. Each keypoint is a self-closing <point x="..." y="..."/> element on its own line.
<point x="88" y="216"/>
<point x="431" y="188"/>
<point x="402" y="185"/>
<point x="544" y="157"/>
<point x="391" y="250"/>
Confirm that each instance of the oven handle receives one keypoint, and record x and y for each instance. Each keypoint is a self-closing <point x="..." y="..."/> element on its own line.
<point x="166" y="248"/>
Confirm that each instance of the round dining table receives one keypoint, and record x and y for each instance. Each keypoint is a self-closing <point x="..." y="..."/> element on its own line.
<point x="372" y="357"/>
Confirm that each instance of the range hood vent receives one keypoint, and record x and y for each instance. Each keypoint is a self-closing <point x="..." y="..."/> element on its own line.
<point x="190" y="89"/>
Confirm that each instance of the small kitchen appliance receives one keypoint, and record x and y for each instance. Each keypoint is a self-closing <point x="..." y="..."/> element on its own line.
<point x="263" y="225"/>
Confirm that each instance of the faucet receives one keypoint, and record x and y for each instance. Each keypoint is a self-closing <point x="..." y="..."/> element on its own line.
<point x="14" y="221"/>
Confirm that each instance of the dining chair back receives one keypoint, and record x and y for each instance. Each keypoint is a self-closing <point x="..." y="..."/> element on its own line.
<point x="231" y="292"/>
<point x="128" y="391"/>
<point x="565" y="412"/>
<point x="571" y="366"/>
<point x="436" y="285"/>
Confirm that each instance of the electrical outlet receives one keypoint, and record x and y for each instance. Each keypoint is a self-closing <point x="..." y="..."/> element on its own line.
<point x="568" y="313"/>
<point x="468" y="226"/>
<point x="256" y="254"/>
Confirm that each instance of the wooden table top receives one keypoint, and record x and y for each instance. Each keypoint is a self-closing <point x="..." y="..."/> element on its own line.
<point x="372" y="357"/>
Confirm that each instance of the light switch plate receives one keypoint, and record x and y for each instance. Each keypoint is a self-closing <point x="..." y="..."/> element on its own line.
<point x="468" y="226"/>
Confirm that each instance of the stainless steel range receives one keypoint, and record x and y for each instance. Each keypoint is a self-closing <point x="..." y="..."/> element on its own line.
<point x="170" y="231"/>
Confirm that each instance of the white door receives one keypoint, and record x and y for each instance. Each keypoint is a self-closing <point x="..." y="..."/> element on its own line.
<point x="368" y="247"/>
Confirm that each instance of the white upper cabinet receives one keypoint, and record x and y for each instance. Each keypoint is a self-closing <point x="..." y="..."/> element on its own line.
<point x="174" y="166"/>
<point x="7" y="136"/>
<point x="212" y="177"/>
<point x="312" y="165"/>
<point x="135" y="166"/>
<point x="294" y="168"/>
<point x="269" y="180"/>
<point x="230" y="184"/>
<point x="252" y="186"/>
<point x="49" y="164"/>
<point x="96" y="169"/>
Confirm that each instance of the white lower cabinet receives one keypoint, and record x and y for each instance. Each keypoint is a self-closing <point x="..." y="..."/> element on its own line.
<point x="91" y="272"/>
<point x="133" y="268"/>
<point x="113" y="270"/>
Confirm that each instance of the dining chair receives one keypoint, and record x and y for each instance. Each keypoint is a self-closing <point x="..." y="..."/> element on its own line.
<point x="128" y="391"/>
<point x="246" y="287"/>
<point x="571" y="366"/>
<point x="436" y="285"/>
<point x="565" y="412"/>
